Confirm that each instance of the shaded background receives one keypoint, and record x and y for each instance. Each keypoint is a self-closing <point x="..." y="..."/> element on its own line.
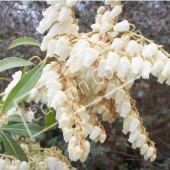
<point x="18" y="19"/>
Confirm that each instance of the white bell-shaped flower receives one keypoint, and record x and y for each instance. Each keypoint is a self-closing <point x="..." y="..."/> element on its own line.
<point x="141" y="140"/>
<point x="116" y="11"/>
<point x="101" y="68"/>
<point x="123" y="66"/>
<point x="119" y="96"/>
<point x="133" y="136"/>
<point x="110" y="90"/>
<point x="117" y="44"/>
<point x="160" y="55"/>
<point x="62" y="48"/>
<point x="157" y="67"/>
<point x="88" y="129"/>
<point x="111" y="64"/>
<point x="72" y="141"/>
<point x="106" y="26"/>
<point x="137" y="63"/>
<point x="71" y="3"/>
<point x="90" y="56"/>
<point x="52" y="17"/>
<point x="153" y="157"/>
<point x="64" y="14"/>
<point x="112" y="34"/>
<point x="96" y="27"/>
<point x="74" y="29"/>
<point x="12" y="111"/>
<point x="106" y="17"/>
<point x="58" y="99"/>
<point x="51" y="48"/>
<point x="149" y="50"/>
<point x="66" y="25"/>
<point x="46" y="12"/>
<point x="161" y="78"/>
<point x="143" y="149"/>
<point x="101" y="10"/>
<point x="102" y="137"/>
<point x="133" y="48"/>
<point x="98" y="18"/>
<point x="67" y="133"/>
<point x="122" y="26"/>
<point x="134" y="124"/>
<point x="43" y="26"/>
<point x="150" y="151"/>
<point x="24" y="166"/>
<point x="96" y="131"/>
<point x="125" y="109"/>
<point x="64" y="121"/>
<point x="2" y="164"/>
<point x="166" y="69"/>
<point x="44" y="44"/>
<point x="77" y="153"/>
<point x="59" y="165"/>
<point x="55" y="30"/>
<point x="59" y="4"/>
<point x="146" y="69"/>
<point x="126" y="122"/>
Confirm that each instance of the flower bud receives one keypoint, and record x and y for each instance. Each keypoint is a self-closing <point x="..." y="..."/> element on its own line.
<point x="115" y="11"/>
<point x="95" y="132"/>
<point x="133" y="136"/>
<point x="101" y="10"/>
<point x="141" y="140"/>
<point x="122" y="26"/>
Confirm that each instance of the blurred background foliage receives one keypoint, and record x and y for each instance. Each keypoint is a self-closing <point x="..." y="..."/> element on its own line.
<point x="20" y="19"/>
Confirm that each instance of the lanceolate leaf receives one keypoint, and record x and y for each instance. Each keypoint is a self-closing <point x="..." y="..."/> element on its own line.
<point x="22" y="88"/>
<point x="20" y="129"/>
<point x="24" y="41"/>
<point x="13" y="62"/>
<point x="50" y="118"/>
<point x="13" y="147"/>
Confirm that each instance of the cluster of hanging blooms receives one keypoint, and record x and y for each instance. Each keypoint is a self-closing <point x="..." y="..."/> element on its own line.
<point x="39" y="158"/>
<point x="87" y="79"/>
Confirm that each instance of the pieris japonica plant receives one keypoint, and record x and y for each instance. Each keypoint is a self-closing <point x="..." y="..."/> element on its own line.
<point x="84" y="80"/>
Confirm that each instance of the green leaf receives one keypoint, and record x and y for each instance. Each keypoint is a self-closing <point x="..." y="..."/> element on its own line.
<point x="13" y="62"/>
<point x="22" y="88"/>
<point x="13" y="119"/>
<point x="2" y="147"/>
<point x="24" y="41"/>
<point x="50" y="118"/>
<point x="26" y="130"/>
<point x="13" y="147"/>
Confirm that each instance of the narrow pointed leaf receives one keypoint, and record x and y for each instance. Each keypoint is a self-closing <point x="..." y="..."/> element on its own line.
<point x="50" y="118"/>
<point x="22" y="88"/>
<point x="13" y="62"/>
<point x="20" y="129"/>
<point x="13" y="148"/>
<point x="24" y="41"/>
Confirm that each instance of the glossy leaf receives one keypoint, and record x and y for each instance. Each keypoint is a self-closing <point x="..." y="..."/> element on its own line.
<point x="24" y="41"/>
<point x="13" y="62"/>
<point x="50" y="118"/>
<point x="20" y="129"/>
<point x="13" y="148"/>
<point x="22" y="88"/>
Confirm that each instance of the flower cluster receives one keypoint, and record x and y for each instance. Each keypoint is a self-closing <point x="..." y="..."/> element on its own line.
<point x="88" y="76"/>
<point x="39" y="158"/>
